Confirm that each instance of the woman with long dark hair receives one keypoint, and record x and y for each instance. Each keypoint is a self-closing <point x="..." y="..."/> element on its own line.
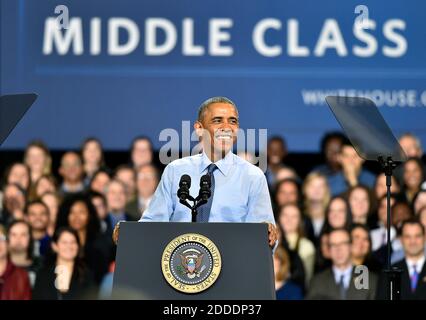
<point x="63" y="276"/>
<point x="78" y="213"/>
<point x="93" y="158"/>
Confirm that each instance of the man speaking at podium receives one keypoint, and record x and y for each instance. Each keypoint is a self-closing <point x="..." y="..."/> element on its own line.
<point x="239" y="191"/>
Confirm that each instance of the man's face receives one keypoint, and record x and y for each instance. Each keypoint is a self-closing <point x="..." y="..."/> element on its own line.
<point x="220" y="124"/>
<point x="147" y="181"/>
<point x="276" y="152"/>
<point x="413" y="240"/>
<point x="71" y="169"/>
<point x="14" y="199"/>
<point x="19" y="238"/>
<point x="38" y="217"/>
<point x="127" y="176"/>
<point x="412" y="174"/>
<point x="332" y="151"/>
<point x="116" y="197"/>
<point x="410" y="147"/>
<point x="340" y="248"/>
<point x="400" y="213"/>
<point x="349" y="158"/>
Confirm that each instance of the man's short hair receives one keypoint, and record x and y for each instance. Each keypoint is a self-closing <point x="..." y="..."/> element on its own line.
<point x="203" y="107"/>
<point x="37" y="202"/>
<point x="341" y="230"/>
<point x="412" y="221"/>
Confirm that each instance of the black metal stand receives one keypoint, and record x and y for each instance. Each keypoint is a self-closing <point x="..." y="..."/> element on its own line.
<point x="197" y="202"/>
<point x="393" y="275"/>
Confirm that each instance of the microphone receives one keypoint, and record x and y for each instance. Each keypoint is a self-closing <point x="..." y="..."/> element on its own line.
<point x="205" y="186"/>
<point x="184" y="185"/>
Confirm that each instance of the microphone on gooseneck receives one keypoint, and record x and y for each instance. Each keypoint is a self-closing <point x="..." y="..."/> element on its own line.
<point x="184" y="185"/>
<point x="205" y="187"/>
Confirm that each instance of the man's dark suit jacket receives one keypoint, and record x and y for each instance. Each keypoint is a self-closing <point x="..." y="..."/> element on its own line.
<point x="406" y="293"/>
<point x="324" y="287"/>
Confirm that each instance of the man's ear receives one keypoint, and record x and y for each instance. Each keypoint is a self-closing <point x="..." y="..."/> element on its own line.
<point x="198" y="126"/>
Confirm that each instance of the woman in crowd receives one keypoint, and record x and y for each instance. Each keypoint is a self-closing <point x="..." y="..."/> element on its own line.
<point x="413" y="178"/>
<point x="99" y="202"/>
<point x="285" y="288"/>
<point x="93" y="158"/>
<point x="380" y="188"/>
<point x="37" y="158"/>
<point x="338" y="214"/>
<point x="63" y="275"/>
<point x="14" y="281"/>
<point x="422" y="216"/>
<point x="287" y="191"/>
<point x="79" y="214"/>
<point x="46" y="183"/>
<point x="99" y="181"/>
<point x="316" y="197"/>
<point x="322" y="255"/>
<point x="52" y="201"/>
<point x="18" y="173"/>
<point x="361" y="204"/>
<point x="419" y="201"/>
<point x="291" y="224"/>
<point x="361" y="248"/>
<point x="13" y="204"/>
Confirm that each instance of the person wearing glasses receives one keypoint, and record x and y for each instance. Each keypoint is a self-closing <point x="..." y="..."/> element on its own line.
<point x="340" y="281"/>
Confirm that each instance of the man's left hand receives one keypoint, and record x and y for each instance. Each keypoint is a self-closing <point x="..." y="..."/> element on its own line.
<point x="272" y="234"/>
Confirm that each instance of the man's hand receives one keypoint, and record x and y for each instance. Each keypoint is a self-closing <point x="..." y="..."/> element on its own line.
<point x="115" y="232"/>
<point x="272" y="234"/>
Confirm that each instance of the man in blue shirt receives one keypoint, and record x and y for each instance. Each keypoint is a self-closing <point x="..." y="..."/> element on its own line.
<point x="352" y="172"/>
<point x="239" y="189"/>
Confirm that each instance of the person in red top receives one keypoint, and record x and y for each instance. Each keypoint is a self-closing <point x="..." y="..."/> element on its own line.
<point x="14" y="281"/>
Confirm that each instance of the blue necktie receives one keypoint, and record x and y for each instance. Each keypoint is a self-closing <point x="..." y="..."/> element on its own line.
<point x="414" y="278"/>
<point x="342" y="289"/>
<point x="204" y="210"/>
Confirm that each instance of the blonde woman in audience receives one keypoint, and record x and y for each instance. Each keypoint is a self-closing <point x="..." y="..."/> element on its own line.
<point x="37" y="158"/>
<point x="284" y="287"/>
<point x="316" y="193"/>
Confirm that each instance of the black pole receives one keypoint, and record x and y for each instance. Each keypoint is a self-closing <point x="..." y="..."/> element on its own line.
<point x="393" y="275"/>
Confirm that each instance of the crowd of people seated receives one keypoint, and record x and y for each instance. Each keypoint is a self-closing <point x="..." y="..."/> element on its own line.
<point x="56" y="227"/>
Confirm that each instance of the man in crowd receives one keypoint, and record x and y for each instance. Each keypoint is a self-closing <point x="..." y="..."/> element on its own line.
<point x="71" y="171"/>
<point x="38" y="218"/>
<point x="339" y="281"/>
<point x="147" y="182"/>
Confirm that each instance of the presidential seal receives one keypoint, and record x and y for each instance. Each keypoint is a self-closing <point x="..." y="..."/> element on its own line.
<point x="191" y="263"/>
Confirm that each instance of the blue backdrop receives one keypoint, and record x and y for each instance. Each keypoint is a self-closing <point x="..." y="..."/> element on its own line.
<point x="138" y="67"/>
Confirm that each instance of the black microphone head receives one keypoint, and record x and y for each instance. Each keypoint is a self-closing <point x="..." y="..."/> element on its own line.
<point x="205" y="186"/>
<point x="185" y="181"/>
<point x="206" y="181"/>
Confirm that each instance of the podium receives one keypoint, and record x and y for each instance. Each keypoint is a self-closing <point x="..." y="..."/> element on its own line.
<point x="193" y="261"/>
